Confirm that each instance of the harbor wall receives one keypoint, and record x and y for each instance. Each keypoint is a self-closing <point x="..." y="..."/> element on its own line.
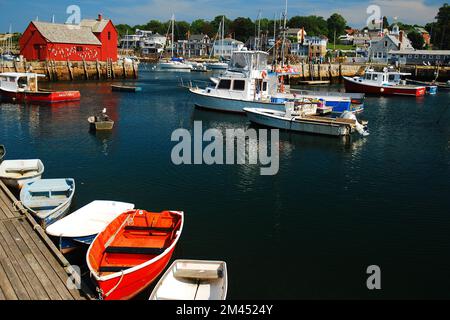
<point x="335" y="72"/>
<point x="74" y="70"/>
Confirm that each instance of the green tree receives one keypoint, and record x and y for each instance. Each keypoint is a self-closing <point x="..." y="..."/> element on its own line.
<point x="336" y="26"/>
<point x="242" y="28"/>
<point x="181" y="30"/>
<point x="385" y="23"/>
<point x="442" y="32"/>
<point x="314" y="25"/>
<point x="122" y="29"/>
<point x="215" y="23"/>
<point x="416" y="39"/>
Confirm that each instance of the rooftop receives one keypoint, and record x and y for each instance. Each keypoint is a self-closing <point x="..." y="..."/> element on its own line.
<point x="64" y="33"/>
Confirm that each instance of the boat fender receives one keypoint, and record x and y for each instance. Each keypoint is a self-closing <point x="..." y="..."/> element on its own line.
<point x="264" y="74"/>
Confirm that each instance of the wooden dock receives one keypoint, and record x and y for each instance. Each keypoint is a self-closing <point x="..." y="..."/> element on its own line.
<point x="31" y="267"/>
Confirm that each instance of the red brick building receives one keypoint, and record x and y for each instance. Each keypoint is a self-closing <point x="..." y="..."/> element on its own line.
<point x="91" y="40"/>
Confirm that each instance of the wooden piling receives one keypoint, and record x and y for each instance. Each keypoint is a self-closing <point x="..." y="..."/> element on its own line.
<point x="69" y="69"/>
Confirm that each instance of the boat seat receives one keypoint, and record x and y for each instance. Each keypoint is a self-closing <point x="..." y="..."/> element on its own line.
<point x="24" y="169"/>
<point x="62" y="188"/>
<point x="198" y="274"/>
<point x="45" y="203"/>
<point x="113" y="268"/>
<point x="136" y="228"/>
<point x="134" y="250"/>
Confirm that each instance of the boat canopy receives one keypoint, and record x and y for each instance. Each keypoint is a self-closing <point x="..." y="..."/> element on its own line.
<point x="248" y="60"/>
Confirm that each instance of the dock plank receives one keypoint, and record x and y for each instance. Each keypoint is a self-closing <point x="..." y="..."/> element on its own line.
<point x="31" y="267"/>
<point x="14" y="252"/>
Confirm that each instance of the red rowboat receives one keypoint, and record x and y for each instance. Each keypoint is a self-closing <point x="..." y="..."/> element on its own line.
<point x="23" y="87"/>
<point x="133" y="251"/>
<point x="383" y="83"/>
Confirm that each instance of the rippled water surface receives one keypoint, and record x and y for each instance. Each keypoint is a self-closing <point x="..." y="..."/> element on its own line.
<point x="335" y="207"/>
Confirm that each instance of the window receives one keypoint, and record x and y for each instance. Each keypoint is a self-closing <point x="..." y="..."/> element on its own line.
<point x="409" y="55"/>
<point x="239" y="85"/>
<point x="375" y="77"/>
<point x="416" y="56"/>
<point x="264" y="86"/>
<point x="385" y="43"/>
<point x="109" y="35"/>
<point x="431" y="57"/>
<point x="79" y="49"/>
<point x="424" y="56"/>
<point x="391" y="78"/>
<point x="224" y="84"/>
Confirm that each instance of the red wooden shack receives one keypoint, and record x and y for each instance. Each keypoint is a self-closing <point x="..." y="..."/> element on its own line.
<point x="91" y="40"/>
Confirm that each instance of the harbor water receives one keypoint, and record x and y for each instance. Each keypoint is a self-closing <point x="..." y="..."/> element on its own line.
<point x="335" y="207"/>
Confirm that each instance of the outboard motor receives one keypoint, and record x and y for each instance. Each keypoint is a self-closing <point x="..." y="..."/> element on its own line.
<point x="362" y="130"/>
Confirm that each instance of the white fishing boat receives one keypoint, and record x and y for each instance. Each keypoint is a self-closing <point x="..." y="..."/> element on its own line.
<point x="304" y="118"/>
<point x="249" y="84"/>
<point x="48" y="199"/>
<point x="82" y="226"/>
<point x="193" y="280"/>
<point x="16" y="173"/>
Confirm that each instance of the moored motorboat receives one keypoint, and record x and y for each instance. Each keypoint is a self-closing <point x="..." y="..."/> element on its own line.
<point x="23" y="87"/>
<point x="388" y="82"/>
<point x="15" y="173"/>
<point x="48" y="199"/>
<point x="248" y="84"/>
<point x="82" y="226"/>
<point x="2" y="152"/>
<point x="193" y="280"/>
<point x="304" y="118"/>
<point x="133" y="251"/>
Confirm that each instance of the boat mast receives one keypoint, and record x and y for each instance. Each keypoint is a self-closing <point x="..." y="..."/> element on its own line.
<point x="283" y="47"/>
<point x="223" y="33"/>
<point x="173" y="31"/>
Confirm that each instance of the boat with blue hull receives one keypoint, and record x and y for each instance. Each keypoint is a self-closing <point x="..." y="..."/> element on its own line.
<point x="82" y="226"/>
<point x="48" y="200"/>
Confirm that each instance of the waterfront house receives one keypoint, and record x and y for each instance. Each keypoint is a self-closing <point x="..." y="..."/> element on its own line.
<point x="196" y="45"/>
<point x="396" y="40"/>
<point x="153" y="44"/>
<point x="296" y="34"/>
<point x="426" y="36"/>
<point x="91" y="40"/>
<point x="312" y="47"/>
<point x="144" y="41"/>
<point x="420" y="57"/>
<point x="226" y="47"/>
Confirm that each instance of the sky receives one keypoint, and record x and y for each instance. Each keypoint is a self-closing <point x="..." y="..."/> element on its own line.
<point x="133" y="12"/>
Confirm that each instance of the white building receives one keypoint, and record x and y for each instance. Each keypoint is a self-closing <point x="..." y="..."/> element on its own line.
<point x="379" y="50"/>
<point x="153" y="43"/>
<point x="226" y="47"/>
<point x="146" y="41"/>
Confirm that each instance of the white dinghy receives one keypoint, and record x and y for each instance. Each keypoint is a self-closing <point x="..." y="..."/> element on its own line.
<point x="193" y="280"/>
<point x="16" y="173"/>
<point x="83" y="225"/>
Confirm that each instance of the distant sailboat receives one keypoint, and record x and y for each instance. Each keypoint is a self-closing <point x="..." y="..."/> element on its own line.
<point x="218" y="65"/>
<point x="174" y="64"/>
